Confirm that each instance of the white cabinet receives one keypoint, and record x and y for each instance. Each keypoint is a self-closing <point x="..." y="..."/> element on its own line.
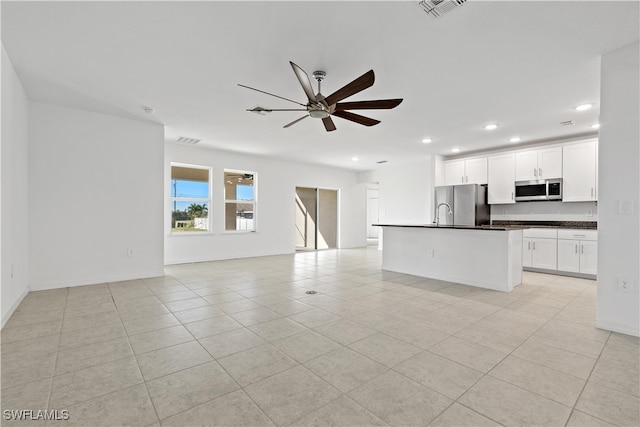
<point x="577" y="251"/>
<point x="501" y="179"/>
<point x="539" y="249"/>
<point x="569" y="255"/>
<point x="579" y="167"/>
<point x="544" y="163"/>
<point x="454" y="172"/>
<point x="466" y="171"/>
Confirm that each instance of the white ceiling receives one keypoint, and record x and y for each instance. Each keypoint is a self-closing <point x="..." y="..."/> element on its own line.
<point x="524" y="65"/>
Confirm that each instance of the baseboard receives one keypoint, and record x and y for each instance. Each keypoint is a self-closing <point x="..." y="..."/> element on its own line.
<point x="617" y="327"/>
<point x="222" y="258"/>
<point x="561" y="273"/>
<point x="95" y="280"/>
<point x="7" y="316"/>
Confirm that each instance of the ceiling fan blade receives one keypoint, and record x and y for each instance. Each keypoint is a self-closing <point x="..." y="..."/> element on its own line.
<point x="379" y="104"/>
<point x="303" y="78"/>
<point x="361" y="83"/>
<point x="295" y="121"/>
<point x="328" y="124"/>
<point x="267" y="93"/>
<point x="356" y="118"/>
<point x="269" y="110"/>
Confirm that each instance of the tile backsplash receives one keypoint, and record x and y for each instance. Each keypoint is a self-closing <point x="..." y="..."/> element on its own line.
<point x="545" y="211"/>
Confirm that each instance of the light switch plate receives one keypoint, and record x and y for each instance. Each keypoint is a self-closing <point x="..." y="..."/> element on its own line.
<point x="625" y="207"/>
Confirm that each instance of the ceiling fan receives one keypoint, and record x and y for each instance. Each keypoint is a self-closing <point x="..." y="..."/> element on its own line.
<point x="321" y="107"/>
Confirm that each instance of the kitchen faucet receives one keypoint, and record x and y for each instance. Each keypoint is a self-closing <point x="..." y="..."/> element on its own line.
<point x="437" y="221"/>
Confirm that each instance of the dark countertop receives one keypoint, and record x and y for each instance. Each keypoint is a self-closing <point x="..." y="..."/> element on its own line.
<point x="588" y="225"/>
<point x="507" y="225"/>
<point x="454" y="227"/>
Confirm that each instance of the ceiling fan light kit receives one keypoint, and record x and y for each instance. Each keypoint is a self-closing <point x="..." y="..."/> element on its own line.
<point x="320" y="107"/>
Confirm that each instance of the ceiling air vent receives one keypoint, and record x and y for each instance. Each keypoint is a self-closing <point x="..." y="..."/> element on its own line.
<point x="381" y="162"/>
<point x="437" y="8"/>
<point x="185" y="140"/>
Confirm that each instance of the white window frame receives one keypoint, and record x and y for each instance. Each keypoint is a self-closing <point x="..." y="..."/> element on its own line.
<point x="254" y="202"/>
<point x="173" y="199"/>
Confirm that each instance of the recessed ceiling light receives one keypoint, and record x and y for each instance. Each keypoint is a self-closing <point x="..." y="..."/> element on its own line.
<point x="596" y="125"/>
<point x="515" y="139"/>
<point x="355" y="159"/>
<point x="584" y="107"/>
<point x="491" y="126"/>
<point x="455" y="150"/>
<point x="427" y="140"/>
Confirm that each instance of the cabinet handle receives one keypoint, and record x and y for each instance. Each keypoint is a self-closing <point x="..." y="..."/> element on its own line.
<point x="540" y="172"/>
<point x="463" y="179"/>
<point x="534" y="246"/>
<point x="529" y="246"/>
<point x="535" y="173"/>
<point x="582" y="249"/>
<point x="576" y="248"/>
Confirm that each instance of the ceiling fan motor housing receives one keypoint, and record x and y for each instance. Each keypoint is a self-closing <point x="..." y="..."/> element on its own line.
<point x="319" y="114"/>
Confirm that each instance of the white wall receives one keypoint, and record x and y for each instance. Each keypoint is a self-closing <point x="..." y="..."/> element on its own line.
<point x="276" y="182"/>
<point x="619" y="180"/>
<point x="406" y="192"/>
<point x="14" y="268"/>
<point x="95" y="190"/>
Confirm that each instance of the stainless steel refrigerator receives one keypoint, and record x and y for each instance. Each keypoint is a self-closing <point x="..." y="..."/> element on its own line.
<point x="468" y="204"/>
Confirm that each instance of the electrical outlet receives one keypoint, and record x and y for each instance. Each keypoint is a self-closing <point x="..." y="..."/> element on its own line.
<point x="625" y="284"/>
<point x="130" y="252"/>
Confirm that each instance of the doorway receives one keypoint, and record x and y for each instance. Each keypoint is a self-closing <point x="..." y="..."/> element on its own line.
<point x="373" y="217"/>
<point x="316" y="224"/>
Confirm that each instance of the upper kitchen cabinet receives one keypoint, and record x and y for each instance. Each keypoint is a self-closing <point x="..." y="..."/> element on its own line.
<point x="465" y="171"/>
<point x="501" y="178"/>
<point x="545" y="163"/>
<point x="579" y="166"/>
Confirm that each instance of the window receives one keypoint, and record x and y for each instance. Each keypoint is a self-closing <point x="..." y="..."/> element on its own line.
<point x="240" y="201"/>
<point x="190" y="198"/>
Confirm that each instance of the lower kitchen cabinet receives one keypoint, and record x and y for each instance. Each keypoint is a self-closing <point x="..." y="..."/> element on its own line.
<point x="540" y="248"/>
<point x="578" y="251"/>
<point x="540" y="253"/>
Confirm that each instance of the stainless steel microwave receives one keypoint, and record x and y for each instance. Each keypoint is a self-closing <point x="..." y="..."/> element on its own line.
<point x="542" y="189"/>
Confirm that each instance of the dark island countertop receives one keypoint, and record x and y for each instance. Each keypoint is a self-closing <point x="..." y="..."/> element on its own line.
<point x="507" y="225"/>
<point x="587" y="225"/>
<point x="455" y="227"/>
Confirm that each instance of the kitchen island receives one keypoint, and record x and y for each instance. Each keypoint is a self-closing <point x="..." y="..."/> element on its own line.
<point x="482" y="256"/>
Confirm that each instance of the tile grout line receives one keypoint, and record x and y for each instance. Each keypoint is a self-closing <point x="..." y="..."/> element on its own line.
<point x="510" y="353"/>
<point x="55" y="365"/>
<point x="155" y="410"/>
<point x="573" y="409"/>
<point x="221" y="367"/>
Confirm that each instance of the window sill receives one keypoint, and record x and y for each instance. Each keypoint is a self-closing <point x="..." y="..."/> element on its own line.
<point x="194" y="233"/>
<point x="238" y="231"/>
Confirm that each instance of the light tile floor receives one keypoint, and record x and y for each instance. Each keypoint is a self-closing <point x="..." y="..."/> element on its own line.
<point x="240" y="342"/>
